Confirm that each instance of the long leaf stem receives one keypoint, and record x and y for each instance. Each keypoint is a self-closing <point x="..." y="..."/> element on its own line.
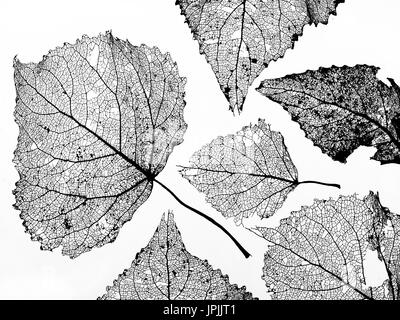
<point x="243" y="250"/>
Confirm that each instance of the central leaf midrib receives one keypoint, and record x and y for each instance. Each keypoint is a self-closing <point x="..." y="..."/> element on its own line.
<point x="246" y="173"/>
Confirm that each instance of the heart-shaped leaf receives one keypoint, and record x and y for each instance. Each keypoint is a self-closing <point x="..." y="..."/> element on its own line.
<point x="98" y="120"/>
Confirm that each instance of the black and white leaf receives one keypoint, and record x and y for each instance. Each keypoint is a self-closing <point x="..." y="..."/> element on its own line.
<point x="320" y="251"/>
<point x="246" y="173"/>
<point x="342" y="108"/>
<point x="98" y="120"/>
<point x="165" y="270"/>
<point x="239" y="38"/>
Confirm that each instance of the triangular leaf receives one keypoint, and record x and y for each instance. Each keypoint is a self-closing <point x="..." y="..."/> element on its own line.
<point x="241" y="37"/>
<point x="165" y="270"/>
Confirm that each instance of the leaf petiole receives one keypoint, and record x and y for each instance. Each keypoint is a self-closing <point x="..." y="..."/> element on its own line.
<point x="335" y="185"/>
<point x="243" y="250"/>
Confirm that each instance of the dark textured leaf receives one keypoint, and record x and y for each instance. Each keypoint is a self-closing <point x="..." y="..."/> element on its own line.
<point x="98" y="120"/>
<point x="241" y="37"/>
<point x="342" y="108"/>
<point x="165" y="270"/>
<point x="319" y="252"/>
<point x="244" y="174"/>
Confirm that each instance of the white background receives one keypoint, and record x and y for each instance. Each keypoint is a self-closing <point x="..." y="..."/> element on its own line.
<point x="364" y="32"/>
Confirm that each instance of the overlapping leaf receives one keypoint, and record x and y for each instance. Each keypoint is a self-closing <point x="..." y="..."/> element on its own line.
<point x="241" y="37"/>
<point x="98" y="120"/>
<point x="342" y="108"/>
<point x="320" y="251"/>
<point x="165" y="270"/>
<point x="246" y="173"/>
